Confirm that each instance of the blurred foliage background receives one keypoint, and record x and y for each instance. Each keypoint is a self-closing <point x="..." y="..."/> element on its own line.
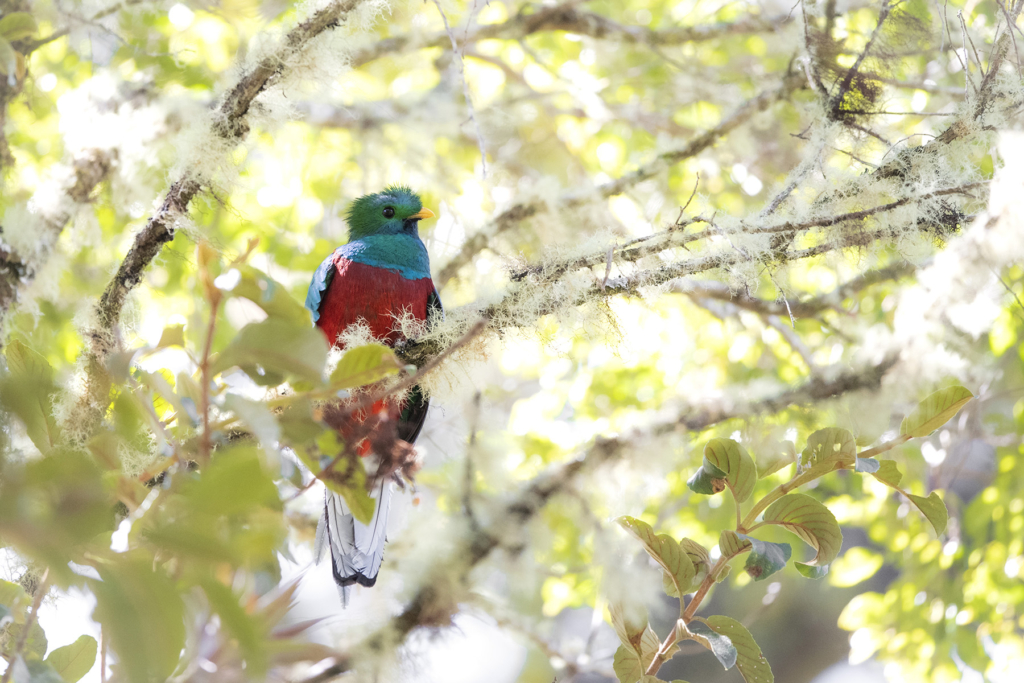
<point x="658" y="223"/>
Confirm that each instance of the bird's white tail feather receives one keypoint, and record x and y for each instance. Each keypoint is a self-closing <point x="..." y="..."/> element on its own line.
<point x="357" y="549"/>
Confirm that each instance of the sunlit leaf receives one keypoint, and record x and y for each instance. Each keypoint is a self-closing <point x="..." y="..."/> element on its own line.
<point x="141" y="612"/>
<point x="811" y="521"/>
<point x="14" y="598"/>
<point x="830" y="445"/>
<point x="364" y="365"/>
<point x="234" y="483"/>
<point x="275" y="349"/>
<point x="935" y="411"/>
<point x="28" y="392"/>
<point x="888" y="473"/>
<point x="933" y="509"/>
<point x="8" y="58"/>
<point x="245" y="629"/>
<point x="173" y="335"/>
<point x="665" y="550"/>
<point x="17" y="26"/>
<point x="256" y="286"/>
<point x="343" y="473"/>
<point x="730" y="457"/>
<point x="35" y="641"/>
<point x="731" y="543"/>
<point x="74" y="661"/>
<point x="752" y="665"/>
<point x="635" y="654"/>
<point x="258" y="418"/>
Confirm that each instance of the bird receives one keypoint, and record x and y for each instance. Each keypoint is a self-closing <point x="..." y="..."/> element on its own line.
<point x="381" y="273"/>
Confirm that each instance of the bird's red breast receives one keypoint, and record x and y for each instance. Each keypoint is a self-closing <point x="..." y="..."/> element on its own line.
<point x="377" y="296"/>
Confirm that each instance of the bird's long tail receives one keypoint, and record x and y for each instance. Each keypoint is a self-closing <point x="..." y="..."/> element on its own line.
<point x="357" y="549"/>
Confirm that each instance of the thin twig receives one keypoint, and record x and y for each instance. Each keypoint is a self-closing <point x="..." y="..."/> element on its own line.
<point x="465" y="86"/>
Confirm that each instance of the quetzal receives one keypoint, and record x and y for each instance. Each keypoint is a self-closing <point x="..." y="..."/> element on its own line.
<point x="382" y="273"/>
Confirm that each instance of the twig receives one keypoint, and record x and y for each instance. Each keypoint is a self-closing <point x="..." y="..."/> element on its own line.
<point x="517" y="213"/>
<point x="205" y="443"/>
<point x="565" y="17"/>
<point x="465" y="85"/>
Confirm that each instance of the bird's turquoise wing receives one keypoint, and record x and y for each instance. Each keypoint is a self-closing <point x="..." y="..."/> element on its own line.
<point x="317" y="288"/>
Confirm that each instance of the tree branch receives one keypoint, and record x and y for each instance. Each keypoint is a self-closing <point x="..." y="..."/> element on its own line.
<point x="566" y="17"/>
<point x="800" y="309"/>
<point x="70" y="185"/>
<point x="230" y="125"/>
<point x="437" y="600"/>
<point x="520" y="212"/>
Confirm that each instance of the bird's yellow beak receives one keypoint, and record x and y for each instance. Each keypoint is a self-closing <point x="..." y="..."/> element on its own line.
<point x="423" y="213"/>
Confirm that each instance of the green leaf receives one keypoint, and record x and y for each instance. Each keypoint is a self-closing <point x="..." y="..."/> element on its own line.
<point x="275" y="349"/>
<point x="15" y="599"/>
<point x="639" y="646"/>
<point x="811" y="521"/>
<point x="935" y="411"/>
<point x="27" y="391"/>
<point x="259" y="418"/>
<point x="830" y="445"/>
<point x="888" y="473"/>
<point x="708" y="480"/>
<point x="35" y="642"/>
<point x="245" y="629"/>
<point x="970" y="649"/>
<point x="731" y="544"/>
<point x="730" y="457"/>
<point x="233" y="483"/>
<point x="630" y="626"/>
<point x="40" y="672"/>
<point x="364" y="365"/>
<point x="346" y="476"/>
<point x="75" y="660"/>
<point x="270" y="295"/>
<point x="933" y="509"/>
<point x="666" y="551"/>
<point x="719" y="644"/>
<point x="173" y="335"/>
<point x="765" y="558"/>
<point x="867" y="465"/>
<point x="752" y="665"/>
<point x="8" y="58"/>
<point x="698" y="555"/>
<point x="17" y="26"/>
<point x="6" y="617"/>
<point x="811" y="571"/>
<point x="628" y="666"/>
<point x="141" y="612"/>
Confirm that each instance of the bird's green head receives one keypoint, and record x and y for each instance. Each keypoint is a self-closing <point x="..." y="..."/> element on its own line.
<point x="395" y="211"/>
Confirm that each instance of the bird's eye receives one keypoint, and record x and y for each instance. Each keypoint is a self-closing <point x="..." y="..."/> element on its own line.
<point x="388" y="212"/>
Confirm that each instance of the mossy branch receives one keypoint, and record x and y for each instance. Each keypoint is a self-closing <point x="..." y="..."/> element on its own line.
<point x="517" y="213"/>
<point x="231" y="125"/>
<point x="568" y="18"/>
<point x="74" y="186"/>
